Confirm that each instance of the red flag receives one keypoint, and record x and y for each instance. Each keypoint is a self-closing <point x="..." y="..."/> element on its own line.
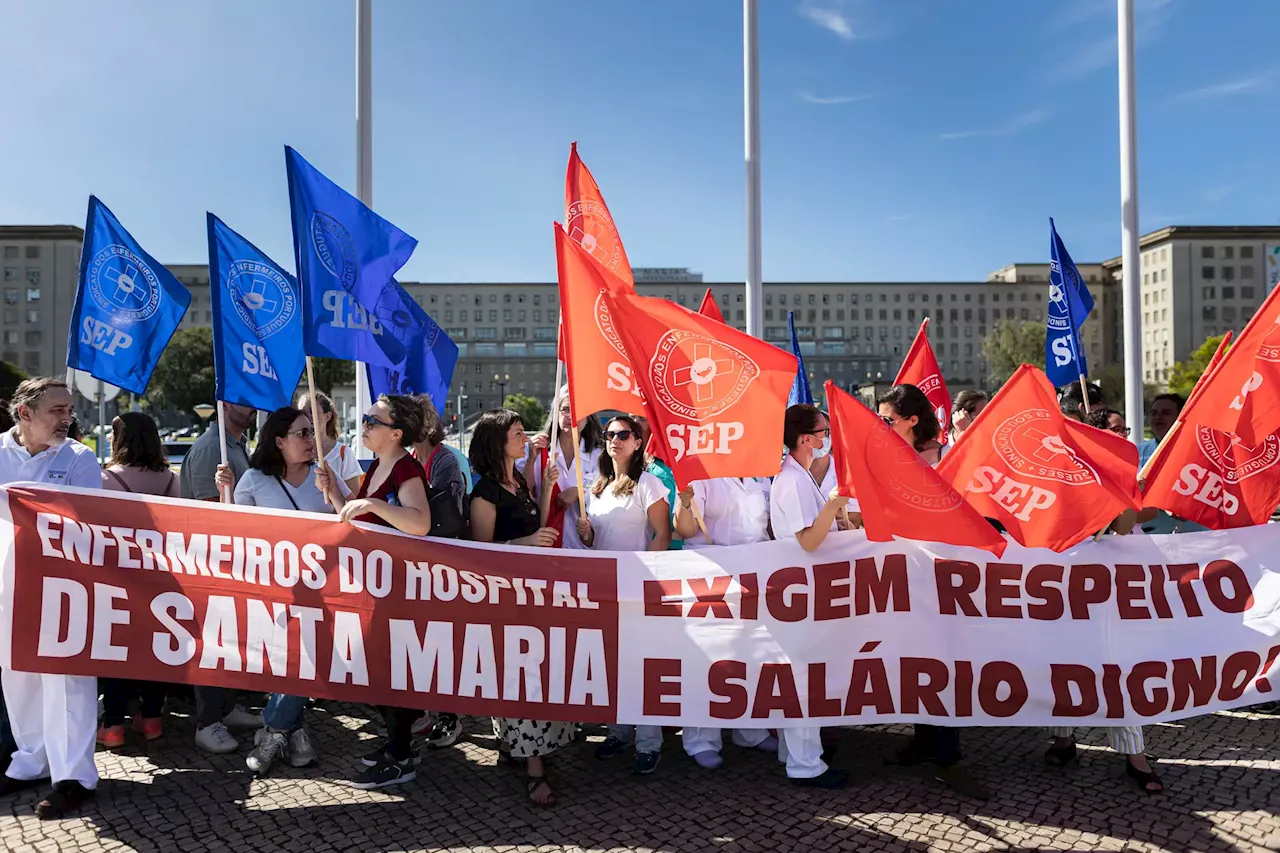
<point x="1209" y="370"/>
<point x="920" y="368"/>
<point x="1203" y="382"/>
<point x="1244" y="397"/>
<point x="1215" y="479"/>
<point x="600" y="374"/>
<point x="715" y="397"/>
<point x="588" y="222"/>
<point x="899" y="494"/>
<point x="709" y="308"/>
<point x="1050" y="480"/>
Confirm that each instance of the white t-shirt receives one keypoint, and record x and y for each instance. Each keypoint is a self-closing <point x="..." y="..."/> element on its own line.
<point x="568" y="480"/>
<point x="258" y="489"/>
<point x="343" y="462"/>
<point x="735" y="510"/>
<point x="68" y="464"/>
<point x="796" y="499"/>
<point x="622" y="523"/>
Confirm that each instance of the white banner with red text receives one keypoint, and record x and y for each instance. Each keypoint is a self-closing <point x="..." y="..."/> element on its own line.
<point x="1128" y="630"/>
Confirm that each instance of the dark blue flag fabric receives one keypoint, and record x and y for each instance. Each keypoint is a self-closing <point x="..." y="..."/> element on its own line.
<point x="430" y="354"/>
<point x="800" y="391"/>
<point x="1069" y="304"/>
<point x="346" y="255"/>
<point x="127" y="305"/>
<point x="257" y="323"/>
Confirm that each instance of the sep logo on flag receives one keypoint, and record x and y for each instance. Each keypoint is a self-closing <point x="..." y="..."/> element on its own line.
<point x="899" y="468"/>
<point x="262" y="297"/>
<point x="589" y="224"/>
<point x="1230" y="455"/>
<point x="123" y="285"/>
<point x="1269" y="349"/>
<point x="608" y="329"/>
<point x="698" y="378"/>
<point x="1029" y="444"/>
<point x="335" y="248"/>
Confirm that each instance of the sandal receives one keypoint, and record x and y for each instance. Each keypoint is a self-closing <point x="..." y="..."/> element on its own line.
<point x="1060" y="756"/>
<point x="1144" y="780"/>
<point x="532" y="784"/>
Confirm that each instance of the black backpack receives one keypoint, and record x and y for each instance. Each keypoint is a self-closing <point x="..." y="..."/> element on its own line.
<point x="447" y="521"/>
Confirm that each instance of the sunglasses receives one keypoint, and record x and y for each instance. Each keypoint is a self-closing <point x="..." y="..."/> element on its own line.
<point x="369" y="422"/>
<point x="619" y="435"/>
<point x="1124" y="431"/>
<point x="888" y="421"/>
<point x="306" y="433"/>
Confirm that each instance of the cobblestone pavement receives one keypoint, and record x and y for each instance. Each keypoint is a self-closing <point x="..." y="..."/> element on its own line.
<point x="1223" y="772"/>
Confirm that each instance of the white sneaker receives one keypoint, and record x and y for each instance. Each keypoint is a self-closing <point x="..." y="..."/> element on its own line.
<point x="421" y="724"/>
<point x="239" y="718"/>
<point x="267" y="751"/>
<point x="216" y="739"/>
<point x="301" y="752"/>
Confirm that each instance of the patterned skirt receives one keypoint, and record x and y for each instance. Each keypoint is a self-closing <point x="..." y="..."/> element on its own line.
<point x="532" y="738"/>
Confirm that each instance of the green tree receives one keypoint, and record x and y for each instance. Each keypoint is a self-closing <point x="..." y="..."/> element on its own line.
<point x="1110" y="377"/>
<point x="530" y="410"/>
<point x="1011" y="344"/>
<point x="183" y="377"/>
<point x="1184" y="375"/>
<point x="331" y="373"/>
<point x="10" y="377"/>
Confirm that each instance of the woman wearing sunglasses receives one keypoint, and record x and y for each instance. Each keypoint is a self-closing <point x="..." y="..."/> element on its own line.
<point x="503" y="510"/>
<point x="627" y="510"/>
<point x="590" y="446"/>
<point x="281" y="476"/>
<point x="393" y="493"/>
<point x="907" y="411"/>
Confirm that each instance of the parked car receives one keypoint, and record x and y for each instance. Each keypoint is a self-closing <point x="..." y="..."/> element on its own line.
<point x="176" y="451"/>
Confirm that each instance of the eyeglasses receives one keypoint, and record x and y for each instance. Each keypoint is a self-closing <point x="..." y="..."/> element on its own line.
<point x="1120" y="431"/>
<point x="306" y="433"/>
<point x="369" y="422"/>
<point x="619" y="435"/>
<point x="822" y="432"/>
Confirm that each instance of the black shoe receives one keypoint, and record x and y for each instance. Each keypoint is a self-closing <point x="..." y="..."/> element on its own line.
<point x="9" y="785"/>
<point x="912" y="754"/>
<point x="379" y="756"/>
<point x="386" y="773"/>
<point x="444" y="732"/>
<point x="831" y="778"/>
<point x="66" y="797"/>
<point x="964" y="783"/>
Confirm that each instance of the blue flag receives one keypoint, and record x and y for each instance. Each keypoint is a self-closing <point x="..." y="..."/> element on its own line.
<point x="1069" y="304"/>
<point x="127" y="305"/>
<point x="800" y="392"/>
<point x="430" y="355"/>
<point x="257" y="323"/>
<point x="346" y="255"/>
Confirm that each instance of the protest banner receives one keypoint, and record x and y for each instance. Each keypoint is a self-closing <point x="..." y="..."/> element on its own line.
<point x="1129" y="630"/>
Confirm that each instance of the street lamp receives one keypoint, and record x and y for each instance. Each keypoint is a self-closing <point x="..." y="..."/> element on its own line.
<point x="462" y="418"/>
<point x="204" y="411"/>
<point x="502" y="386"/>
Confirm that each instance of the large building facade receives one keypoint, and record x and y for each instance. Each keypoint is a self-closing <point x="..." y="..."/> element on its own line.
<point x="39" y="265"/>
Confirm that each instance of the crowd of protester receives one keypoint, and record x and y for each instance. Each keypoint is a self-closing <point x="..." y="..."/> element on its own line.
<point x="512" y="488"/>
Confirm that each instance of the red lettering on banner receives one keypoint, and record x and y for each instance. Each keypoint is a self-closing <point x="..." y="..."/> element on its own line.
<point x="1002" y="689"/>
<point x="1051" y="604"/>
<point x="868" y="687"/>
<point x="1087" y="584"/>
<point x="1111" y="691"/>
<point x="661" y="683"/>
<point x="1237" y="671"/>
<point x="957" y="582"/>
<point x="658" y="597"/>
<point x="883" y="588"/>
<point x="1159" y="600"/>
<point x="830" y="591"/>
<point x="922" y="681"/>
<point x="1136" y="685"/>
<point x="750" y="595"/>
<point x="1065" y="676"/>
<point x="964" y="688"/>
<point x="723" y="679"/>
<point x="820" y="704"/>
<point x="1183" y="574"/>
<point x="1192" y="683"/>
<point x="710" y="597"/>
<point x="776" y="691"/>
<point x="1001" y="587"/>
<point x="1222" y="573"/>
<point x="1128" y="593"/>
<point x="783" y="604"/>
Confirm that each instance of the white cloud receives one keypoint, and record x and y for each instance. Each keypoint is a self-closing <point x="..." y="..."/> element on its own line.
<point x="1243" y="86"/>
<point x="829" y="100"/>
<point x="1009" y="128"/>
<point x="829" y="19"/>
<point x="1149" y="20"/>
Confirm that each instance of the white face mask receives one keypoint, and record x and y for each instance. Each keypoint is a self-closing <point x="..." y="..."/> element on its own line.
<point x="819" y="452"/>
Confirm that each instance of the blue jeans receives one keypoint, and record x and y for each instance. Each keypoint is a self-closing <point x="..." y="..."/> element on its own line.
<point x="283" y="713"/>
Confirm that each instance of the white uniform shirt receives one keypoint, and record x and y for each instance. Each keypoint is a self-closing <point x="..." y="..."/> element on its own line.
<point x="735" y="510"/>
<point x="622" y="523"/>
<point x="795" y="500"/>
<point x="568" y="480"/>
<point x="67" y="464"/>
<point x="258" y="489"/>
<point x="343" y="462"/>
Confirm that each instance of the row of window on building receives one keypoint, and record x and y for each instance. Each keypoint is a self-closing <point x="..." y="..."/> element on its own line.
<point x="15" y="274"/>
<point x="31" y="253"/>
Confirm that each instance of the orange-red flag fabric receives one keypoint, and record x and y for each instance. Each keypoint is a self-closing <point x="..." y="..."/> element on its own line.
<point x="709" y="308"/>
<point x="1210" y="369"/>
<point x="1244" y="397"/>
<point x="899" y="494"/>
<point x="599" y="371"/>
<point x="1050" y="480"/>
<point x="1215" y="479"/>
<point x="920" y="368"/>
<point x="587" y="219"/>
<point x="714" y="396"/>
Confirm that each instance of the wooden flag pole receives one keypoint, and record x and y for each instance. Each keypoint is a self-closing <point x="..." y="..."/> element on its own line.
<point x="697" y="516"/>
<point x="315" y="416"/>
<point x="224" y="495"/>
<point x="577" y="467"/>
<point x="1084" y="391"/>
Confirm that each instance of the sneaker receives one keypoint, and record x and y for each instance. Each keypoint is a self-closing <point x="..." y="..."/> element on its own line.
<point x="111" y="737"/>
<point x="301" y="752"/>
<point x="422" y="724"/>
<point x="611" y="747"/>
<point x="708" y="759"/>
<point x="830" y="778"/>
<point x="216" y="739"/>
<point x="269" y="748"/>
<point x="379" y="756"/>
<point x="646" y="763"/>
<point x="65" y="798"/>
<point x="239" y="718"/>
<point x="384" y="773"/>
<point x="151" y="728"/>
<point x="444" y="732"/>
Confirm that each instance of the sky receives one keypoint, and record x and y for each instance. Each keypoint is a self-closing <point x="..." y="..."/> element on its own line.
<point x="901" y="140"/>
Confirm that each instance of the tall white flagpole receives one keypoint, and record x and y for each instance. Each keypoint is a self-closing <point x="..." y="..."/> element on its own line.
<point x="1130" y="257"/>
<point x="364" y="162"/>
<point x="751" y="115"/>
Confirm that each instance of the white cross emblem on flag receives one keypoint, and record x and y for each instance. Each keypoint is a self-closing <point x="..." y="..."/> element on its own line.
<point x="701" y="372"/>
<point x="590" y="241"/>
<point x="255" y="298"/>
<point x="124" y="281"/>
